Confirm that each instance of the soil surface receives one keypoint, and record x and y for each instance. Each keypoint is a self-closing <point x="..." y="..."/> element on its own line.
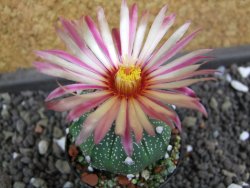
<point x="217" y="155"/>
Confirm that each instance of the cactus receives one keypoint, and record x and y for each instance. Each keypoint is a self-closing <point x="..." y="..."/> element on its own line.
<point x="109" y="155"/>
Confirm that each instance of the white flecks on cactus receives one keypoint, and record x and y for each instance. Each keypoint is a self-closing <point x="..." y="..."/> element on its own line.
<point x="189" y="148"/>
<point x="15" y="155"/>
<point x="244" y="136"/>
<point x="166" y="156"/>
<point x="130" y="176"/>
<point x="129" y="161"/>
<point x="61" y="142"/>
<point x="159" y="129"/>
<point x="145" y="174"/>
<point x="239" y="86"/>
<point x="244" y="71"/>
<point x="90" y="169"/>
<point x="87" y="159"/>
<point x="170" y="147"/>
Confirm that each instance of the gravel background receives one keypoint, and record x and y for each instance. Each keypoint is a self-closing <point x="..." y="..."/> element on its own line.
<point x="30" y="155"/>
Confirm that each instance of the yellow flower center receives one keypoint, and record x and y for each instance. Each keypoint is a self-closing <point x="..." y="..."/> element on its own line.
<point x="128" y="80"/>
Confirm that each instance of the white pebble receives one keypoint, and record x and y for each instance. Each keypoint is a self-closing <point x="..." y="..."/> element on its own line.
<point x="129" y="161"/>
<point x="221" y="70"/>
<point x="244" y="136"/>
<point x="170" y="147"/>
<point x="87" y="158"/>
<point x="43" y="146"/>
<point x="61" y="142"/>
<point x="166" y="156"/>
<point x="159" y="129"/>
<point x="174" y="107"/>
<point x="189" y="148"/>
<point x="4" y="106"/>
<point x="233" y="185"/>
<point x="145" y="174"/>
<point x="15" y="155"/>
<point x="244" y="71"/>
<point x="228" y="77"/>
<point x="67" y="130"/>
<point x="90" y="169"/>
<point x="244" y="184"/>
<point x="130" y="176"/>
<point x="239" y="86"/>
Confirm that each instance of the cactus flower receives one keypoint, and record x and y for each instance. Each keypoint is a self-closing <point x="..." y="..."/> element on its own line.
<point x="129" y="76"/>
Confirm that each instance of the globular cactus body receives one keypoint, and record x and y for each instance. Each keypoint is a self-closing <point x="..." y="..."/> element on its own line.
<point x="109" y="154"/>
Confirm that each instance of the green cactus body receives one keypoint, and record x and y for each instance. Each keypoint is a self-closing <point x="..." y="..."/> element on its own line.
<point x="109" y="155"/>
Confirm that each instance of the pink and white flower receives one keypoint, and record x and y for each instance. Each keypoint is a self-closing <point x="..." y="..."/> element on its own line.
<point x="129" y="73"/>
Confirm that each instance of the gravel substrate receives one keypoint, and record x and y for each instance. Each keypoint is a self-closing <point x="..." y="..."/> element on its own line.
<point x="217" y="155"/>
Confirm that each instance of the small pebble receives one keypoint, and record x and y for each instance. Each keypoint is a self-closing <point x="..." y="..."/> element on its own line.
<point x="228" y="77"/>
<point x="145" y="174"/>
<point x="130" y="176"/>
<point x="166" y="156"/>
<point x="189" y="148"/>
<point x="68" y="184"/>
<point x="15" y="155"/>
<point x="129" y="161"/>
<point x="61" y="142"/>
<point x="43" y="147"/>
<point x="239" y="86"/>
<point x="90" y="169"/>
<point x="233" y="185"/>
<point x="170" y="147"/>
<point x="159" y="129"/>
<point x="244" y="136"/>
<point x="38" y="183"/>
<point x="244" y="71"/>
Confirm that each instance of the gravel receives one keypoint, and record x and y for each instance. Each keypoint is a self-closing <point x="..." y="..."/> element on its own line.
<point x="32" y="140"/>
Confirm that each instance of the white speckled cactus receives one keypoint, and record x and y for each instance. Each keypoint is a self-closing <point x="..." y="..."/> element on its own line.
<point x="109" y="154"/>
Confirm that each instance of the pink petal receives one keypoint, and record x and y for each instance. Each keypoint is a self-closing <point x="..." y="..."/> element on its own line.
<point x="93" y="119"/>
<point x="124" y="28"/>
<point x="73" y="101"/>
<point x="62" y="90"/>
<point x="153" y="32"/>
<point x="133" y="122"/>
<point x="105" y="123"/>
<point x="140" y="33"/>
<point x="166" y="24"/>
<point x="168" y="44"/>
<point x="186" y="91"/>
<point x="132" y="26"/>
<point x="127" y="141"/>
<point x="97" y="36"/>
<point x="174" y="50"/>
<point x="117" y="40"/>
<point x="121" y="120"/>
<point x="86" y="106"/>
<point x="106" y="35"/>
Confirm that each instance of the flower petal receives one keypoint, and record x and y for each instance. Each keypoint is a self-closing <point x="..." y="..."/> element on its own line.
<point x="143" y="119"/>
<point x="79" y="110"/>
<point x="181" y="62"/>
<point x="133" y="122"/>
<point x="105" y="123"/>
<point x="73" y="101"/>
<point x="176" y="99"/>
<point x="141" y="30"/>
<point x="124" y="28"/>
<point x="133" y="17"/>
<point x="92" y="120"/>
<point x="117" y="40"/>
<point x="121" y="120"/>
<point x="178" y="84"/>
<point x="168" y="44"/>
<point x="127" y="141"/>
<point x="62" y="90"/>
<point x="106" y="35"/>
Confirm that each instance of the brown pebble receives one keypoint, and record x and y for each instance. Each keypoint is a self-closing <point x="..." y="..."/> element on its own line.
<point x="90" y="179"/>
<point x="131" y="185"/>
<point x="73" y="151"/>
<point x="202" y="125"/>
<point x="122" y="180"/>
<point x="158" y="169"/>
<point x="38" y="129"/>
<point x="175" y="131"/>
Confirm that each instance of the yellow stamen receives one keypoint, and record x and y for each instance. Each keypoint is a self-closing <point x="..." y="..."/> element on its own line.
<point x="128" y="79"/>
